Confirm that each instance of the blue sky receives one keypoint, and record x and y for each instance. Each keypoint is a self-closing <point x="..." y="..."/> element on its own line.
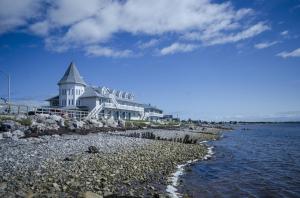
<point x="211" y="60"/>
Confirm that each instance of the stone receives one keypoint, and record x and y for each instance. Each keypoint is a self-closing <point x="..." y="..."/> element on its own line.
<point x="18" y="133"/>
<point x="50" y="121"/>
<point x="93" y="149"/>
<point x="56" y="136"/>
<point x="57" y="118"/>
<point x="110" y="122"/>
<point x="94" y="123"/>
<point x="40" y="117"/>
<point x="20" y="117"/>
<point x="122" y="123"/>
<point x="8" y="125"/>
<point x="7" y="135"/>
<point x="56" y="186"/>
<point x="3" y="185"/>
<point x="89" y="194"/>
<point x="69" y="159"/>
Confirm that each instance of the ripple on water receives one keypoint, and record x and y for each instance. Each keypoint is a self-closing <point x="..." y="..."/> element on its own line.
<point x="261" y="162"/>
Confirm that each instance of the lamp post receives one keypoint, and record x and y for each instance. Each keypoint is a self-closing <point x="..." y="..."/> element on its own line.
<point x="8" y="85"/>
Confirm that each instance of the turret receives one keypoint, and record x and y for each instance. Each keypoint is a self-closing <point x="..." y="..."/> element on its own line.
<point x="71" y="87"/>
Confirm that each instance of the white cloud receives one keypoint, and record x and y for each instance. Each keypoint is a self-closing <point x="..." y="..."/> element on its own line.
<point x="178" y="47"/>
<point x="84" y="23"/>
<point x="107" y="52"/>
<point x="284" y="33"/>
<point x="264" y="45"/>
<point x="15" y="13"/>
<point x="285" y="54"/>
<point x="40" y="28"/>
<point x="235" y="37"/>
<point x="151" y="43"/>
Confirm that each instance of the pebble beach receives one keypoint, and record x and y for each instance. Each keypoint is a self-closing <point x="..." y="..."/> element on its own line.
<point x="66" y="166"/>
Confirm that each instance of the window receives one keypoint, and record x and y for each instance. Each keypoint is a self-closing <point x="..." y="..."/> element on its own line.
<point x="72" y="102"/>
<point x="63" y="92"/>
<point x="72" y="91"/>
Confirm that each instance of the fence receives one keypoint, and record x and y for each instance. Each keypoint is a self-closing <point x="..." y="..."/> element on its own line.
<point x="14" y="109"/>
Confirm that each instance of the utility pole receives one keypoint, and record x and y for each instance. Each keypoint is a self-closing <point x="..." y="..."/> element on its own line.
<point x="8" y="86"/>
<point x="8" y="89"/>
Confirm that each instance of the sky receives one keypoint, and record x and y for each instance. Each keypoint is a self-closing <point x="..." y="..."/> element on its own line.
<point x="200" y="59"/>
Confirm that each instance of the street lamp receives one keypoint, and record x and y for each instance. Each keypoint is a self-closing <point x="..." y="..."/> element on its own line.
<point x="8" y="85"/>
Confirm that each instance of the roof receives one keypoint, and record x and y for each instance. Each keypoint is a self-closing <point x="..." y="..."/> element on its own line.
<point x="72" y="76"/>
<point x="148" y="106"/>
<point x="90" y="92"/>
<point x="53" y="98"/>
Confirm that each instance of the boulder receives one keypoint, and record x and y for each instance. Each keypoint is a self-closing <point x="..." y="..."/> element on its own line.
<point x="49" y="121"/>
<point x="9" y="125"/>
<point x="110" y="122"/>
<point x="57" y="118"/>
<point x="75" y="124"/>
<point x="93" y="149"/>
<point x="61" y="123"/>
<point x="18" y="133"/>
<point x="40" y="118"/>
<point x="20" y="117"/>
<point x="6" y="135"/>
<point x="122" y="123"/>
<point x="93" y="123"/>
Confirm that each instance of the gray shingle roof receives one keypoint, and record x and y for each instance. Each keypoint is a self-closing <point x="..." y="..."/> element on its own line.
<point x="72" y="76"/>
<point x="90" y="92"/>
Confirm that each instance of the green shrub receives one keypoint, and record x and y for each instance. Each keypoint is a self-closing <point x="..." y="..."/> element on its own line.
<point x="25" y="121"/>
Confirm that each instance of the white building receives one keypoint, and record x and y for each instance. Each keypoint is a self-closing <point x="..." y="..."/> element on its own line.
<point x="74" y="93"/>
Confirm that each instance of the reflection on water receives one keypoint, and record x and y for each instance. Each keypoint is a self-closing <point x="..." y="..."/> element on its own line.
<point x="261" y="162"/>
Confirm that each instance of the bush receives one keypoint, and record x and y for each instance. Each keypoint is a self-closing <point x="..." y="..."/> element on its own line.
<point x="25" y="121"/>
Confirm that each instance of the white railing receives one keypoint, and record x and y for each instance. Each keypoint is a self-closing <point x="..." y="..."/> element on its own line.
<point x="112" y="97"/>
<point x="14" y="109"/>
<point x="123" y="107"/>
<point x="153" y="114"/>
<point x="94" y="112"/>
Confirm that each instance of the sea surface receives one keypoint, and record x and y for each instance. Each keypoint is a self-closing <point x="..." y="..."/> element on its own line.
<point x="263" y="161"/>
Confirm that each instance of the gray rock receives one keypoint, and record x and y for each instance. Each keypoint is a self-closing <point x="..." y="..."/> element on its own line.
<point x="94" y="123"/>
<point x="7" y="135"/>
<point x="56" y="186"/>
<point x="50" y="121"/>
<point x="9" y="125"/>
<point x="18" y="133"/>
<point x="93" y="149"/>
<point x="110" y="122"/>
<point x="122" y="123"/>
<point x="20" y="117"/>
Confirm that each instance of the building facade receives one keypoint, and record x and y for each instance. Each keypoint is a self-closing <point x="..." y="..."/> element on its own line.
<point x="75" y="94"/>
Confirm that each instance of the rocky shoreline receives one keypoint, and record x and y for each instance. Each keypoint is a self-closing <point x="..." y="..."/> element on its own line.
<point x="103" y="164"/>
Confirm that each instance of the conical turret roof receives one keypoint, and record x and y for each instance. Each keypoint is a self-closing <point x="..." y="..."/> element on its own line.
<point x="71" y="76"/>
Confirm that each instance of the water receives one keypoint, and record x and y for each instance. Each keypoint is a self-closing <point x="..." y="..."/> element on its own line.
<point x="261" y="162"/>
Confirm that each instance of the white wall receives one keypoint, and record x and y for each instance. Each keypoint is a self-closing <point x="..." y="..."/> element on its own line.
<point x="73" y="92"/>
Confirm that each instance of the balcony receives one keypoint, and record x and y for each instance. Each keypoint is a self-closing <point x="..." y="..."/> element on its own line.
<point x="153" y="114"/>
<point x="123" y="107"/>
